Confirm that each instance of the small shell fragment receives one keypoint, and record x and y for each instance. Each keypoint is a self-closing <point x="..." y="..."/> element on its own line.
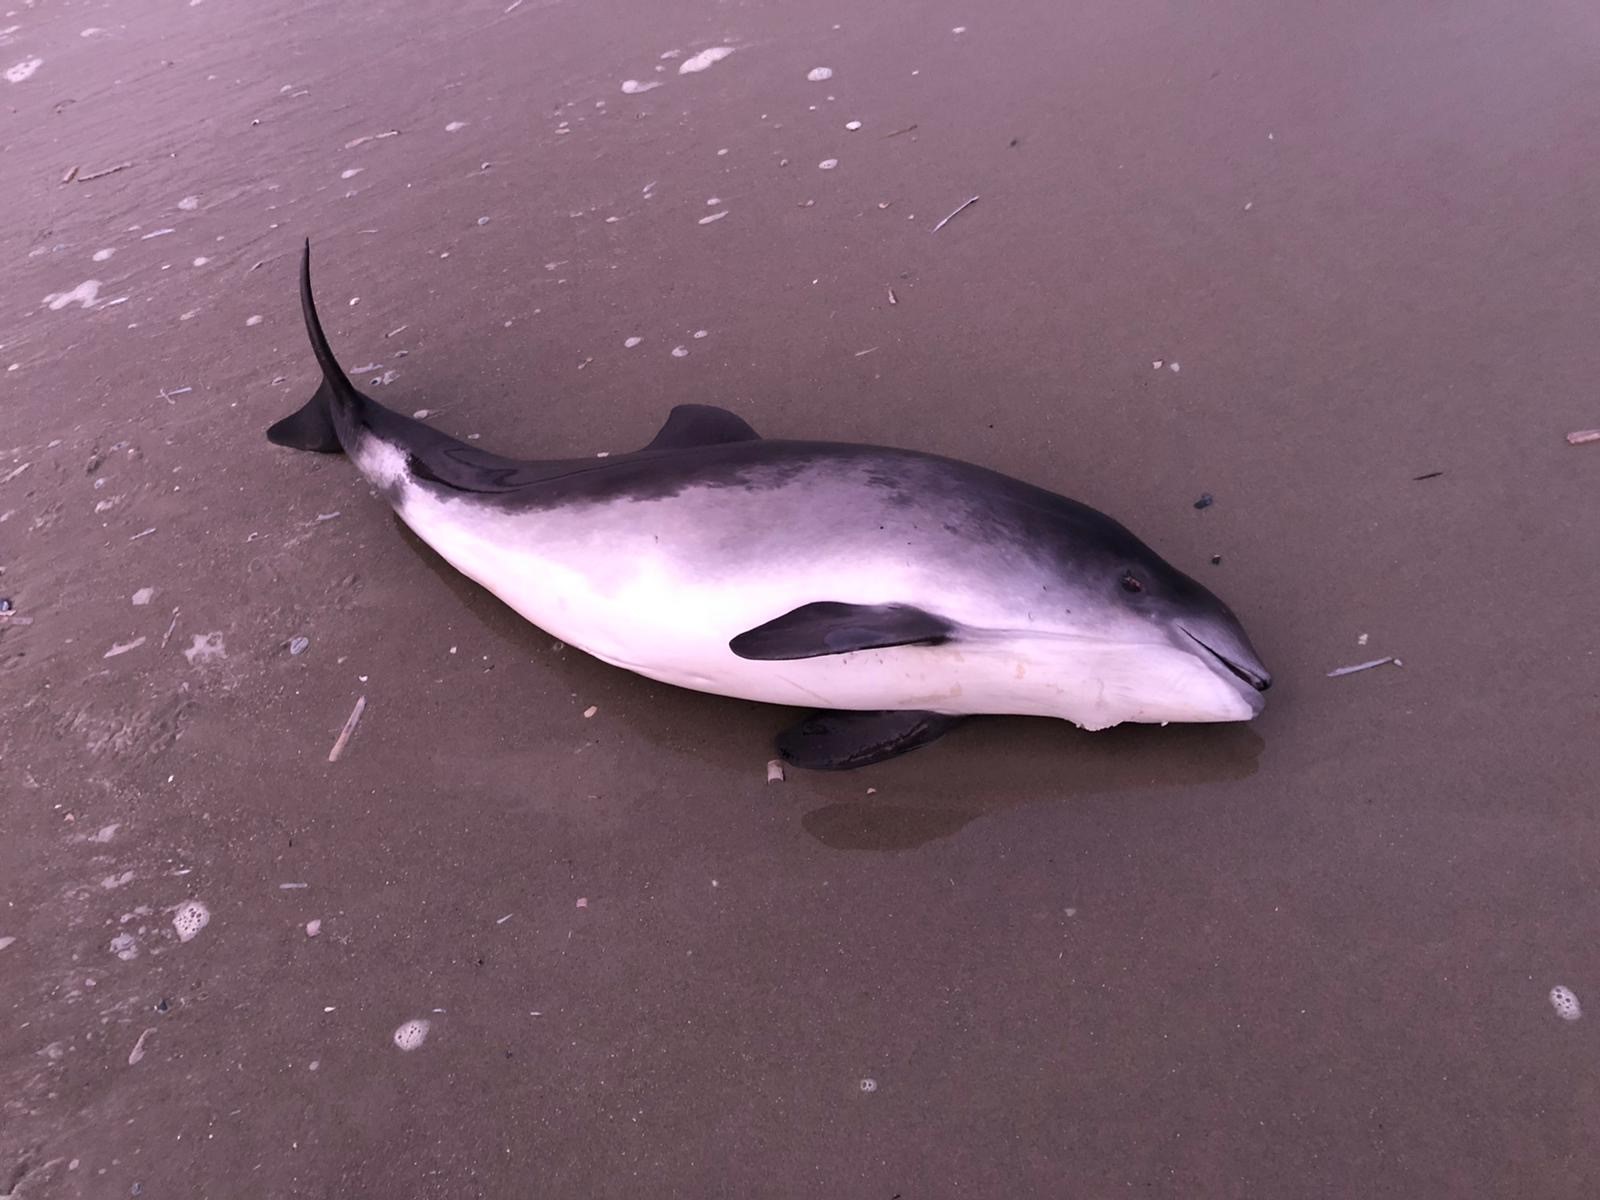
<point x="412" y="1034"/>
<point x="699" y="62"/>
<point x="1565" y="1001"/>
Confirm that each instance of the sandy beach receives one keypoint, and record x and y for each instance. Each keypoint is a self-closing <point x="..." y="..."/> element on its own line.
<point x="545" y="928"/>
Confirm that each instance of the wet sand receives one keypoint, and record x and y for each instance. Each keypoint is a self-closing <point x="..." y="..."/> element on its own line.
<point x="1291" y="258"/>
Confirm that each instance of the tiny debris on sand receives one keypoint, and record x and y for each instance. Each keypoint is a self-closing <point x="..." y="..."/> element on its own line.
<point x="704" y="59"/>
<point x="775" y="771"/>
<point x="102" y="173"/>
<point x="1579" y="436"/>
<point x="1366" y="666"/>
<point x="190" y="918"/>
<point x="412" y="1034"/>
<point x="371" y="137"/>
<point x="349" y="728"/>
<point x="137" y="1052"/>
<point x="1565" y="1001"/>
<point x="960" y="208"/>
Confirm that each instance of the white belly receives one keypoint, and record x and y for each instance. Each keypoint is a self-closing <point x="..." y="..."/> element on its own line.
<point x="610" y="589"/>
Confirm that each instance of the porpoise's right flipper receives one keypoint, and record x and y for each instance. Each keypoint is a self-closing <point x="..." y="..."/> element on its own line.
<point x="838" y="741"/>
<point x="828" y="627"/>
<point x="701" y="425"/>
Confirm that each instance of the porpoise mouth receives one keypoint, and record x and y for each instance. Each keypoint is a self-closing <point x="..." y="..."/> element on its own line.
<point x="1251" y="673"/>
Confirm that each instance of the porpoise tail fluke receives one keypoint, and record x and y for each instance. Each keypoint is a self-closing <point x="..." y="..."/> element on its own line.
<point x="313" y="426"/>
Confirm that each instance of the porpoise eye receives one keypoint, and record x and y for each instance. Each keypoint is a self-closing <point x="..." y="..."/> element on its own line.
<point x="1130" y="583"/>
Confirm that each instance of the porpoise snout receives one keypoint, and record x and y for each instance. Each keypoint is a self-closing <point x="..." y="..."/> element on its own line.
<point x="1223" y="639"/>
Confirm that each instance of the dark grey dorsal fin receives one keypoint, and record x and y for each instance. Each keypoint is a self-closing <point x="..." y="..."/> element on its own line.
<point x="701" y="425"/>
<point x="827" y="627"/>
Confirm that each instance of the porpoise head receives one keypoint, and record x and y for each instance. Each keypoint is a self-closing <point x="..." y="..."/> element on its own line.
<point x="1163" y="647"/>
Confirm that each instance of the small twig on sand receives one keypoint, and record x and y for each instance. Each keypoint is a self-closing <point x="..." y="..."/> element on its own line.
<point x="898" y="132"/>
<point x="1579" y="437"/>
<point x="962" y="207"/>
<point x="1366" y="666"/>
<point x="167" y="636"/>
<point x="349" y="728"/>
<point x="101" y="174"/>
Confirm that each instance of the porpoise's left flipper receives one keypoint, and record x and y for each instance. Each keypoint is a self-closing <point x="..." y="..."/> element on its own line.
<point x="838" y="741"/>
<point x="827" y="627"/>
